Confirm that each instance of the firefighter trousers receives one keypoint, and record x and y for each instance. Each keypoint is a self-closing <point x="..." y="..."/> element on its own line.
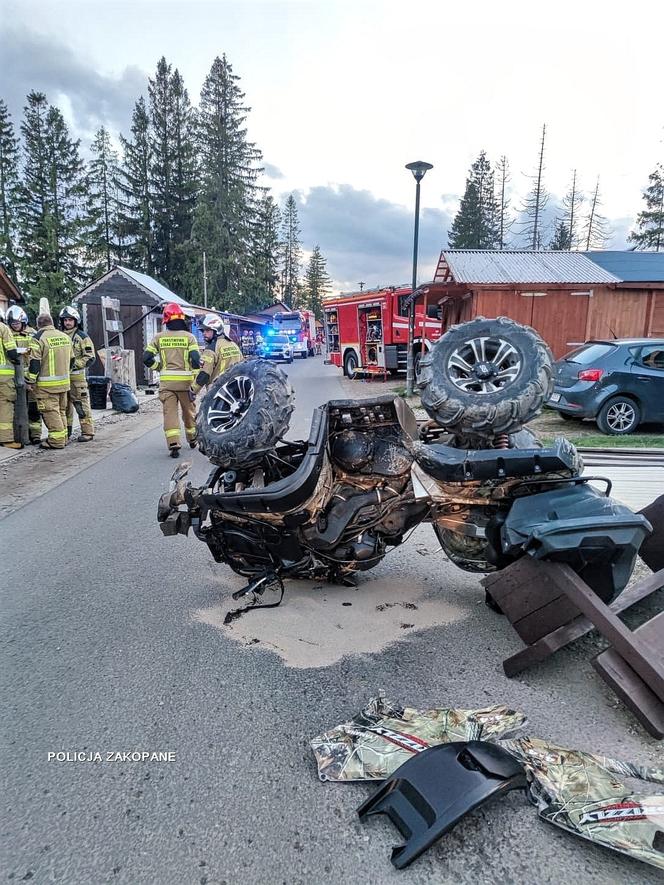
<point x="78" y="400"/>
<point x="7" y="400"/>
<point x="169" y="403"/>
<point x="53" y="409"/>
<point x="34" y="418"/>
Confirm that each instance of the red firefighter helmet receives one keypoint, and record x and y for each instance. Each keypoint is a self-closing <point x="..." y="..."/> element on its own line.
<point x="172" y="312"/>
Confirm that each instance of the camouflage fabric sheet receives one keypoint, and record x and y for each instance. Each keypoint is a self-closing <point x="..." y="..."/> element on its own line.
<point x="383" y="736"/>
<point x="584" y="794"/>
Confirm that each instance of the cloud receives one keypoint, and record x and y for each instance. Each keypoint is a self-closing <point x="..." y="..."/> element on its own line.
<point x="365" y="238"/>
<point x="32" y="61"/>
<point x="273" y="172"/>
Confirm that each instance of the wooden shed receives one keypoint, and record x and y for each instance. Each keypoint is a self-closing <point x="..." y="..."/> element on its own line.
<point x="9" y="292"/>
<point x="141" y="299"/>
<point x="568" y="297"/>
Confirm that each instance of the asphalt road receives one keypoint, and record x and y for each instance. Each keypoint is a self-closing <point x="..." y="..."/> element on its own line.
<point x="102" y="651"/>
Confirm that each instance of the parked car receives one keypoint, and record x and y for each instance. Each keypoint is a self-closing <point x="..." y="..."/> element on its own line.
<point x="277" y="347"/>
<point x="619" y="383"/>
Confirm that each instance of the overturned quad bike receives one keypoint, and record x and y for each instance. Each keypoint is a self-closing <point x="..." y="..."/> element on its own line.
<point x="335" y="504"/>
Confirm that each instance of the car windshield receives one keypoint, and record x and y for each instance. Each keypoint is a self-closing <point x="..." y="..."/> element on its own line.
<point x="589" y="353"/>
<point x="278" y="339"/>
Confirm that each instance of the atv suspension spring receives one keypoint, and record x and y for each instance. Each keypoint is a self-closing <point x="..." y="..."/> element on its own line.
<point x="502" y="441"/>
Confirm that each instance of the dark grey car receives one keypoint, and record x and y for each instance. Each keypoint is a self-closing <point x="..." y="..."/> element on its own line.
<point x="619" y="383"/>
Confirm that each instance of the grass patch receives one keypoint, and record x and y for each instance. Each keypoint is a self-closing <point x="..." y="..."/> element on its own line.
<point x="600" y="441"/>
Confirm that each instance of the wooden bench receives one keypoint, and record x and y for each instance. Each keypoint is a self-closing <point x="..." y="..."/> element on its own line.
<point x="550" y="606"/>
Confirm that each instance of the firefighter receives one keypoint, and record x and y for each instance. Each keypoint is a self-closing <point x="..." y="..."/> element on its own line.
<point x="220" y="352"/>
<point x="17" y="320"/>
<point x="174" y="353"/>
<point x="50" y="362"/>
<point x="8" y="359"/>
<point x="69" y="321"/>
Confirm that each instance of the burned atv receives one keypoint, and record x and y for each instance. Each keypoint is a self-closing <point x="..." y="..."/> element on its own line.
<point x="335" y="504"/>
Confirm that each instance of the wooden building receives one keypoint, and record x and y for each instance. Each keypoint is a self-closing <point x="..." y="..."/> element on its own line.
<point x="568" y="297"/>
<point x="141" y="301"/>
<point x="9" y="292"/>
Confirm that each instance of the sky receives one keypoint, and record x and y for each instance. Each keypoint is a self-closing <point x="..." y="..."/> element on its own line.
<point x="344" y="93"/>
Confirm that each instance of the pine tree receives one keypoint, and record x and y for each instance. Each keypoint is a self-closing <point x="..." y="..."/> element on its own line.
<point x="135" y="203"/>
<point x="265" y="253"/>
<point x="504" y="220"/>
<point x="597" y="232"/>
<point x="225" y="210"/>
<point x="50" y="214"/>
<point x="9" y="190"/>
<point x="475" y="225"/>
<point x="317" y="283"/>
<point x="649" y="233"/>
<point x="532" y="229"/>
<point x="291" y="253"/>
<point x="103" y="235"/>
<point x="566" y="233"/>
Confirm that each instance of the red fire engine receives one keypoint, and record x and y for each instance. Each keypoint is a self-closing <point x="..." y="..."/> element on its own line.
<point x="367" y="332"/>
<point x="300" y="326"/>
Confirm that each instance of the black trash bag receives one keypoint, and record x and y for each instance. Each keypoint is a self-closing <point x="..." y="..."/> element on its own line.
<point x="123" y="398"/>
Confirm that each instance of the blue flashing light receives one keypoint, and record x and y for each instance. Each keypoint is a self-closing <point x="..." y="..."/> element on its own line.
<point x="271" y="332"/>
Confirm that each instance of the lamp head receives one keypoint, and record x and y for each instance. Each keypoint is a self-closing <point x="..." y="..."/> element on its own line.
<point x="419" y="169"/>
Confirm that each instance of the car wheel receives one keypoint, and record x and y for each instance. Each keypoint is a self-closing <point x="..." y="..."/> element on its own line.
<point x="289" y="360"/>
<point x="305" y="355"/>
<point x="350" y="365"/>
<point x="619" y="416"/>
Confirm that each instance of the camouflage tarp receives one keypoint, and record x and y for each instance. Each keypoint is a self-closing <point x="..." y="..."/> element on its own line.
<point x="383" y="736"/>
<point x="584" y="794"/>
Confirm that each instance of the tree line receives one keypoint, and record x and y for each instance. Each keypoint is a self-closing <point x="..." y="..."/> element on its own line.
<point x="184" y="184"/>
<point x="486" y="220"/>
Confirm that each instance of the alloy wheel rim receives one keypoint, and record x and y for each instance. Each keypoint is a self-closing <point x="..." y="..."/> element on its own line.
<point x="484" y="365"/>
<point x="230" y="404"/>
<point x="620" y="416"/>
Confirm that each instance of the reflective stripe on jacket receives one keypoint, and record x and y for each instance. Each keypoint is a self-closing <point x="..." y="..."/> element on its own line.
<point x="25" y="341"/>
<point x="7" y="342"/>
<point x="219" y="356"/>
<point x="173" y="350"/>
<point x="83" y="352"/>
<point x="49" y="365"/>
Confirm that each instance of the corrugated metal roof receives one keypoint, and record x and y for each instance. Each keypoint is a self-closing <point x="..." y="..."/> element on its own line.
<point x="488" y="266"/>
<point x="631" y="267"/>
<point x="158" y="290"/>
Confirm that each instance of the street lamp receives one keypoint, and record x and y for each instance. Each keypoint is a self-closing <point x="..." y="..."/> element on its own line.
<point x="419" y="170"/>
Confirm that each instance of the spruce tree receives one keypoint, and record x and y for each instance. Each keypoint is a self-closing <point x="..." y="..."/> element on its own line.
<point x="475" y="225"/>
<point x="561" y="237"/>
<point x="52" y="195"/>
<point x="597" y="232"/>
<point x="649" y="233"/>
<point x="225" y="210"/>
<point x="161" y="167"/>
<point x="184" y="180"/>
<point x="566" y="232"/>
<point x="135" y="203"/>
<point x="317" y="283"/>
<point x="103" y="235"/>
<point x="532" y="228"/>
<point x="265" y="253"/>
<point x="504" y="218"/>
<point x="291" y="253"/>
<point x="9" y="190"/>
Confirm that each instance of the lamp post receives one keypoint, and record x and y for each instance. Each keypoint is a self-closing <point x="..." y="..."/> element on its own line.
<point x="419" y="170"/>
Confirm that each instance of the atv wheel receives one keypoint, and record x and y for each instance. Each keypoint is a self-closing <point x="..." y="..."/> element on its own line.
<point x="486" y="377"/>
<point x="244" y="414"/>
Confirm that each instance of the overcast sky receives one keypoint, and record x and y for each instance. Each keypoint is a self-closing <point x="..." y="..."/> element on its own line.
<point x="343" y="94"/>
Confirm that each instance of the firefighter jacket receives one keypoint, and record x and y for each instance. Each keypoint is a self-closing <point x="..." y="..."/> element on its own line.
<point x="83" y="352"/>
<point x="51" y="360"/>
<point x="218" y="356"/>
<point x="175" y="354"/>
<point x="26" y="342"/>
<point x="8" y="355"/>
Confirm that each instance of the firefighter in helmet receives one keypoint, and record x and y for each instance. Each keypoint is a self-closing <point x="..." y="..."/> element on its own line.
<point x="174" y="353"/>
<point x="69" y="321"/>
<point x="50" y="362"/>
<point x="220" y="352"/>
<point x="17" y="320"/>
<point x="8" y="359"/>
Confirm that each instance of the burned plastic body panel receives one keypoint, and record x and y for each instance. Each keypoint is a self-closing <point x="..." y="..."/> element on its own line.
<point x="428" y="795"/>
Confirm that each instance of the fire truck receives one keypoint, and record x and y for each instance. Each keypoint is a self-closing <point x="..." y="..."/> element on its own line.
<point x="300" y="327"/>
<point x="367" y="332"/>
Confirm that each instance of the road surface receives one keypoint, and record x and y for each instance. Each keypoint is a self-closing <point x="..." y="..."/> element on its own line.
<point x="112" y="644"/>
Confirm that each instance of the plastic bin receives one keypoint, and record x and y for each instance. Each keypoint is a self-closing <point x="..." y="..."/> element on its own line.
<point x="98" y="385"/>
